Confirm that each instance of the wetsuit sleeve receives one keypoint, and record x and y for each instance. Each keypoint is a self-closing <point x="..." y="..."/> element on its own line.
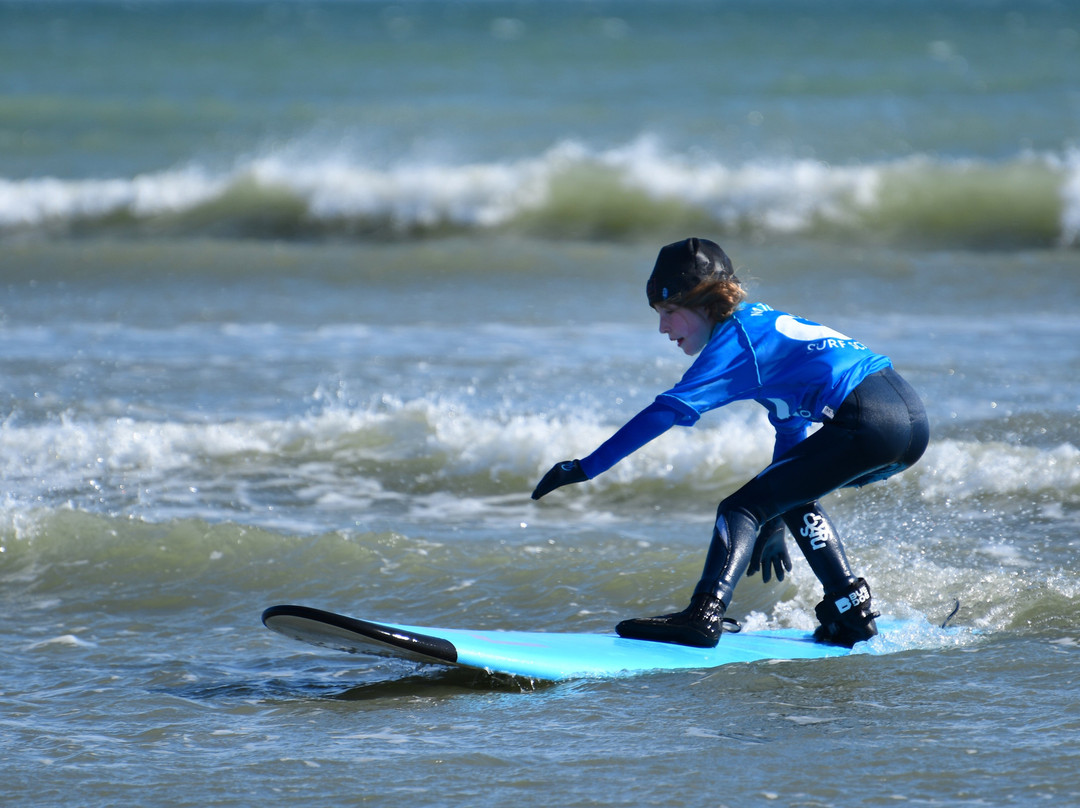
<point x="651" y="422"/>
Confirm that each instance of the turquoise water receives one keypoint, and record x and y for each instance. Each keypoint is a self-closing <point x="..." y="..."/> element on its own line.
<point x="299" y="300"/>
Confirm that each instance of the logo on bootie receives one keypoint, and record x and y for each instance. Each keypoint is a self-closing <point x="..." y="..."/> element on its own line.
<point x="853" y="599"/>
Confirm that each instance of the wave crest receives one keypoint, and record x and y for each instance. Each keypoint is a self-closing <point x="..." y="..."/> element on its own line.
<point x="571" y="191"/>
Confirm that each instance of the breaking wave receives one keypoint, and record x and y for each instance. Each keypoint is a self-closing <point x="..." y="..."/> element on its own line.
<point x="321" y="471"/>
<point x="571" y="191"/>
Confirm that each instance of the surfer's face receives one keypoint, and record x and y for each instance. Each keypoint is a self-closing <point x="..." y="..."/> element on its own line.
<point x="688" y="328"/>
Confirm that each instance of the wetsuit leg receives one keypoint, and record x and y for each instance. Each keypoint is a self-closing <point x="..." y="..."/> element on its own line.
<point x="878" y="431"/>
<point x="701" y="623"/>
<point x="729" y="554"/>
<point x="820" y="544"/>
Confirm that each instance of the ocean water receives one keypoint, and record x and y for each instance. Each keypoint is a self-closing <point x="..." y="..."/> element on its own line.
<point x="298" y="301"/>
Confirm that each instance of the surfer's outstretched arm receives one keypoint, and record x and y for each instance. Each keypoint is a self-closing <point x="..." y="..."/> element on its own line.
<point x="650" y="423"/>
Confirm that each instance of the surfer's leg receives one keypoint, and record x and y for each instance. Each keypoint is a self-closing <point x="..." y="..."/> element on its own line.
<point x="820" y="543"/>
<point x="738" y="521"/>
<point x="880" y="429"/>
<point x="701" y="623"/>
<point x="811" y="474"/>
<point x="845" y="613"/>
<point x="789" y="487"/>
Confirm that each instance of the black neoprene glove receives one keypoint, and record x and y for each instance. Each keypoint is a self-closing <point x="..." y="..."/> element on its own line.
<point x="770" y="551"/>
<point x="564" y="473"/>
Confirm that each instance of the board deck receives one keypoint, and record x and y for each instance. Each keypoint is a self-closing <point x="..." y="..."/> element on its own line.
<point x="544" y="655"/>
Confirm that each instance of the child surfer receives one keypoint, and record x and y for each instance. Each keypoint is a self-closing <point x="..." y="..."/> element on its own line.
<point x="873" y="426"/>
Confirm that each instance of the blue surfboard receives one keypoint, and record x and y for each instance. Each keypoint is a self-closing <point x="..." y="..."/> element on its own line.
<point x="554" y="656"/>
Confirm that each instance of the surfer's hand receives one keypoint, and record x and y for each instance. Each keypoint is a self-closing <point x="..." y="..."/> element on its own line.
<point x="564" y="473"/>
<point x="770" y="551"/>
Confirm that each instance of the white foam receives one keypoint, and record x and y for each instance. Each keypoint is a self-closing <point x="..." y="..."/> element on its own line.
<point x="959" y="470"/>
<point x="349" y="458"/>
<point x="69" y="640"/>
<point x="409" y="193"/>
<point x="782" y="195"/>
<point x="35" y="201"/>
<point x="779" y="195"/>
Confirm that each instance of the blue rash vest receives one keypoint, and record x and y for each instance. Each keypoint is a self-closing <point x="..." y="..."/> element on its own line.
<point x="798" y="370"/>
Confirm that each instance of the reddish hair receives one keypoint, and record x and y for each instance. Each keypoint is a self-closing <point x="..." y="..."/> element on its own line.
<point x="717" y="297"/>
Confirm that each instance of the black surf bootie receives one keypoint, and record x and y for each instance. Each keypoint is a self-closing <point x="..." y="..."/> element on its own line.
<point x="699" y="624"/>
<point x="846" y="617"/>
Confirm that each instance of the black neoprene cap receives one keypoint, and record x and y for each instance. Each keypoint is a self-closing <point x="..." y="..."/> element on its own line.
<point x="683" y="265"/>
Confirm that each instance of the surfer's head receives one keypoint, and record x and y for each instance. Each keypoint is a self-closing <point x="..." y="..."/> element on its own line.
<point x="696" y="274"/>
